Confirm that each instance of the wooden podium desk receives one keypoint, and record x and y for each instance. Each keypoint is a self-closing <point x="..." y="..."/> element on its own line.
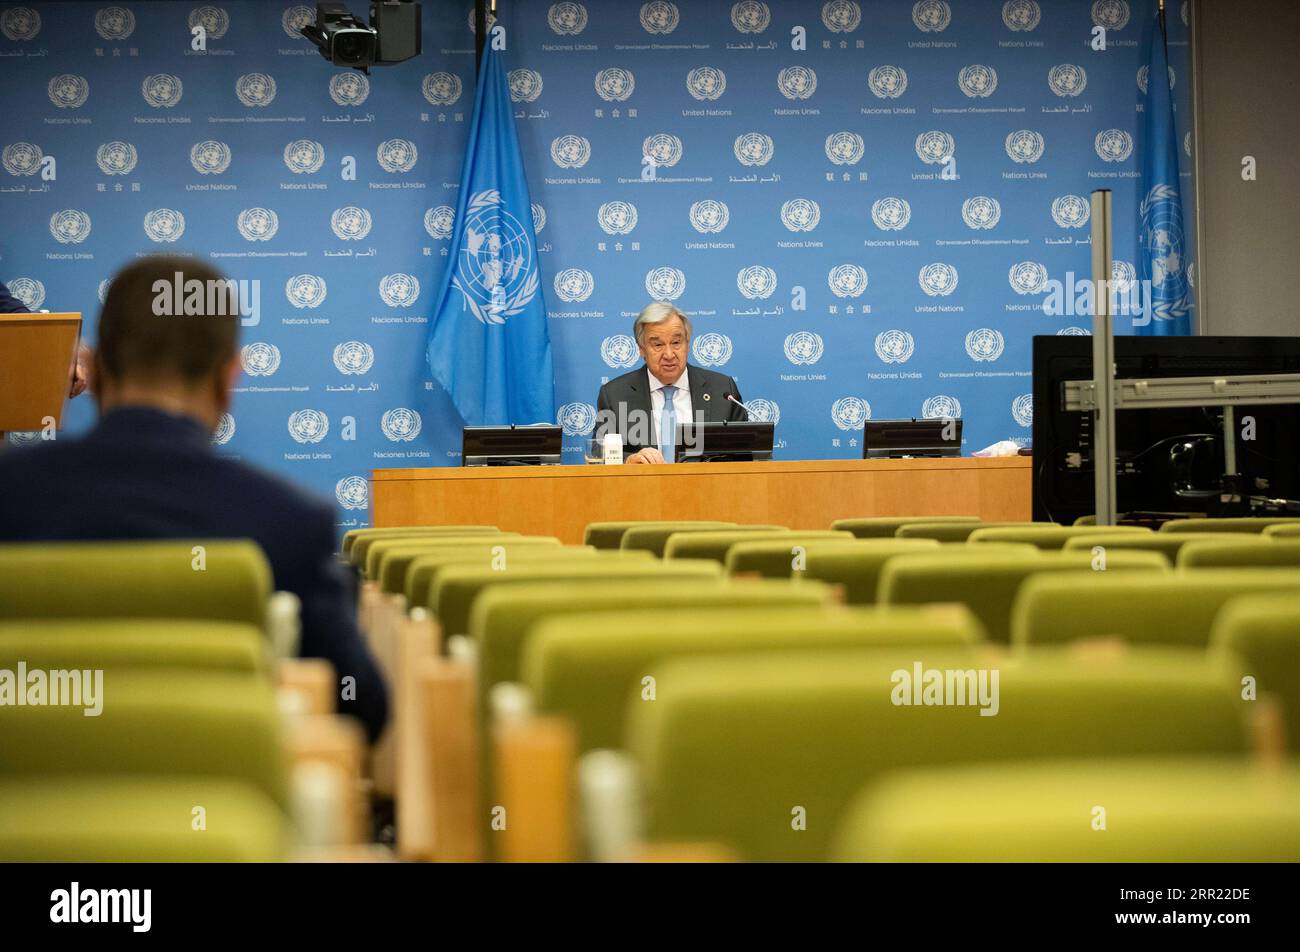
<point x="802" y="494"/>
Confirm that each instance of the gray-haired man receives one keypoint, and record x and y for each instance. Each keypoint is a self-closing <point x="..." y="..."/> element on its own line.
<point x="645" y="405"/>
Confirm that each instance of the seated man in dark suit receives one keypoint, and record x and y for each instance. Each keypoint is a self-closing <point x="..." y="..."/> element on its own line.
<point x="645" y="405"/>
<point x="10" y="304"/>
<point x="147" y="469"/>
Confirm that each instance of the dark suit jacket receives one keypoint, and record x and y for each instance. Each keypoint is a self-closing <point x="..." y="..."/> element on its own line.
<point x="145" y="474"/>
<point x="10" y="304"/>
<point x="623" y="406"/>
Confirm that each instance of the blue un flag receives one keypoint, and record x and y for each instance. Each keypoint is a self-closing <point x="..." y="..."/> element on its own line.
<point x="1162" y="245"/>
<point x="489" y="345"/>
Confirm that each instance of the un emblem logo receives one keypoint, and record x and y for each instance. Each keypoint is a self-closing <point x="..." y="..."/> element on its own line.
<point x="1113" y="145"/>
<point x="525" y="85"/>
<point x="977" y="81"/>
<point x="305" y="290"/>
<point x="439" y="222"/>
<point x="473" y="20"/>
<point x="576" y="419"/>
<point x="616" y="218"/>
<point x="255" y="89"/>
<point x="941" y="407"/>
<point x="352" y="492"/>
<point x="349" y="88"/>
<point x="935" y="148"/>
<point x="68" y="91"/>
<point x="1021" y="16"/>
<point x="210" y="157"/>
<point x="981" y="212"/>
<point x="114" y="23"/>
<point x="891" y="214"/>
<point x="350" y="223"/>
<point x="570" y="151"/>
<point x="763" y="411"/>
<point x="1024" y="145"/>
<point x="803" y="348"/>
<point x="70" y="226"/>
<point x="401" y="424"/>
<point x="259" y="359"/>
<point x="659" y="17"/>
<point x="353" y="357"/>
<point x="847" y="280"/>
<point x="28" y="290"/>
<point x="1161" y="241"/>
<point x="938" y="279"/>
<point x="102" y="291"/>
<point x="665" y="149"/>
<point x="567" y="19"/>
<point x="615" y="84"/>
<point x="1022" y="409"/>
<point x="214" y="20"/>
<point x="308" y="426"/>
<point x="441" y="89"/>
<point x="295" y="18"/>
<point x="1143" y="79"/>
<point x="258" y="224"/>
<point x="753" y="148"/>
<point x="844" y="148"/>
<point x="894" y="346"/>
<point x="1074" y="332"/>
<point x="750" y="16"/>
<point x="116" y="158"/>
<point x="1122" y="274"/>
<point x="495" y="273"/>
<point x="841" y="16"/>
<point x="224" y="431"/>
<point x="1071" y="211"/>
<point x="1028" y="277"/>
<point x="796" y="82"/>
<point x="20" y="23"/>
<point x="1111" y="14"/>
<point x="162" y="90"/>
<point x="801" y="214"/>
<point x="399" y="290"/>
<point x="850" y="413"/>
<point x="711" y="349"/>
<point x="397" y="155"/>
<point x="304" y="156"/>
<point x="1066" y="79"/>
<point x="887" y="82"/>
<point x="21" y="158"/>
<point x="985" y="344"/>
<point x="619" y="351"/>
<point x="931" y="16"/>
<point x="709" y="216"/>
<point x="665" y="284"/>
<point x="164" y="224"/>
<point x="706" y="83"/>
<point x="539" y="218"/>
<point x="756" y="282"/>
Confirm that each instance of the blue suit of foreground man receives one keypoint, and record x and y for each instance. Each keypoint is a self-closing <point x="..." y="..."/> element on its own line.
<point x="147" y="470"/>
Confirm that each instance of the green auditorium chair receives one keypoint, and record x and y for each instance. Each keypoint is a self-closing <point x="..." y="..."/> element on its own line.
<point x="392" y="559"/>
<point x="360" y="553"/>
<point x="1282" y="530"/>
<point x="951" y="531"/>
<point x="376" y="549"/>
<point x="116" y="819"/>
<point x="1048" y="537"/>
<point x="609" y="535"/>
<point x="1237" y="524"/>
<point x="655" y="538"/>
<point x="218" y="580"/>
<point x="1176" y="608"/>
<point x="453" y="591"/>
<point x="1259" y="635"/>
<point x="197" y="725"/>
<point x="884" y="527"/>
<point x="858" y="570"/>
<point x="988" y="585"/>
<point x="59" y="643"/>
<point x="761" y="753"/>
<point x="586" y="667"/>
<point x="352" y="535"/>
<point x="715" y="545"/>
<point x="1140" y="810"/>
<point x="1166" y="543"/>
<point x="774" y="558"/>
<point x="1240" y="551"/>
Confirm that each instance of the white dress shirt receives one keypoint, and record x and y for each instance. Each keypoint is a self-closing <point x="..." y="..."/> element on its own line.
<point x="681" y="402"/>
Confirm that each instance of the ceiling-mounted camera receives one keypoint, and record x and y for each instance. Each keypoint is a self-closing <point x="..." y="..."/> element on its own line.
<point x="392" y="36"/>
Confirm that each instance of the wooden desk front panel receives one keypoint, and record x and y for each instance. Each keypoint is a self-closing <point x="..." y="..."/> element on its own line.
<point x="805" y="494"/>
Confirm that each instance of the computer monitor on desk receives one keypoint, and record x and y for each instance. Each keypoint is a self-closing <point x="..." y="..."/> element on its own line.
<point x="911" y="439"/>
<point x="731" y="441"/>
<point x="511" y="445"/>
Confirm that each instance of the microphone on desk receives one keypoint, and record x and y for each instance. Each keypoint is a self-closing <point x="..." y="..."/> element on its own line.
<point x="732" y="398"/>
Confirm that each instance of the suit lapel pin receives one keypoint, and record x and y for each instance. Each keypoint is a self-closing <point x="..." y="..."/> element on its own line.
<point x="706" y="398"/>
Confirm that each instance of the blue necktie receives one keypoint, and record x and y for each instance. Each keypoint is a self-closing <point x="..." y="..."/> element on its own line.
<point x="668" y="425"/>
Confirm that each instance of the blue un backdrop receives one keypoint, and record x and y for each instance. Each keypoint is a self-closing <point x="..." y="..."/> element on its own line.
<point x="868" y="226"/>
